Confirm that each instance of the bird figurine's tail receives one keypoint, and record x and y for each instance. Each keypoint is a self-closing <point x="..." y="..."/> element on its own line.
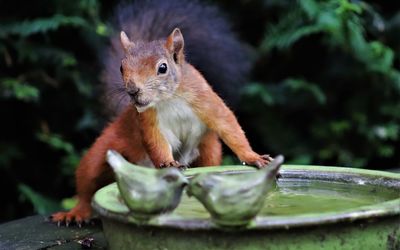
<point x="272" y="169"/>
<point x="115" y="160"/>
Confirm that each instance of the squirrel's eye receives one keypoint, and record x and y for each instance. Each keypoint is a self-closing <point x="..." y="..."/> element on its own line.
<point x="162" y="69"/>
<point x="121" y="69"/>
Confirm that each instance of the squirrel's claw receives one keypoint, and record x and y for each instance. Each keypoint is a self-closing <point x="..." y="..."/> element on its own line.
<point x="170" y="164"/>
<point x="263" y="161"/>
<point x="75" y="216"/>
<point x="260" y="161"/>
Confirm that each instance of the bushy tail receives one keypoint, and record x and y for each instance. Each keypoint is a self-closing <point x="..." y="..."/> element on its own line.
<point x="210" y="45"/>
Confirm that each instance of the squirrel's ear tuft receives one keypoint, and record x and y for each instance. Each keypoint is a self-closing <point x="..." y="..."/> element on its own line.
<point x="126" y="43"/>
<point x="174" y="45"/>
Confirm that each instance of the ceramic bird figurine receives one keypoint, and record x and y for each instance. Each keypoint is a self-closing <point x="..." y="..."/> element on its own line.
<point x="234" y="199"/>
<point x="146" y="191"/>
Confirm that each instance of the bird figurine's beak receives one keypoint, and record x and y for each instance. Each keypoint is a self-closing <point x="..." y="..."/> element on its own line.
<point x="174" y="175"/>
<point x="273" y="167"/>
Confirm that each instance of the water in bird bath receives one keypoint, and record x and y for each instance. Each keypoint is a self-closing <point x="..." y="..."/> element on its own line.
<point x="292" y="197"/>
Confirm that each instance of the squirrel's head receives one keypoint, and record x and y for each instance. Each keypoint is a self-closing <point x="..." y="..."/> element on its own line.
<point x="151" y="71"/>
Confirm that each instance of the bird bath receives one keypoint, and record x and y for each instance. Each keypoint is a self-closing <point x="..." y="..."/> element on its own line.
<point x="311" y="206"/>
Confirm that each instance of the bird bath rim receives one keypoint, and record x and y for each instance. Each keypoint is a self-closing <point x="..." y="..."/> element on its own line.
<point x="323" y="173"/>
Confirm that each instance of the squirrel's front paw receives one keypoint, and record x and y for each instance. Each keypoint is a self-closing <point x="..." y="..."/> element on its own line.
<point x="260" y="161"/>
<point x="170" y="164"/>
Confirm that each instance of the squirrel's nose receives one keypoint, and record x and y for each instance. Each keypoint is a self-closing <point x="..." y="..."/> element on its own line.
<point x="133" y="92"/>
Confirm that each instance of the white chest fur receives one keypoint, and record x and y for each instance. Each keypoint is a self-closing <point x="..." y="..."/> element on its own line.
<point x="181" y="128"/>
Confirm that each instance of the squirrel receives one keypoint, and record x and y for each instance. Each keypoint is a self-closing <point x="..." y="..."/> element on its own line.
<point x="172" y="116"/>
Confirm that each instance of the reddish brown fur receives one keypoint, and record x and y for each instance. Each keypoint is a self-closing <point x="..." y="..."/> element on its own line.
<point x="215" y="114"/>
<point x="210" y="151"/>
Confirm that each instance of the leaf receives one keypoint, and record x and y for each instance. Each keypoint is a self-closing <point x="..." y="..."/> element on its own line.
<point x="102" y="30"/>
<point x="40" y="25"/>
<point x="345" y="6"/>
<point x="22" y="91"/>
<point x="70" y="159"/>
<point x="46" y="55"/>
<point x="310" y="7"/>
<point x="303" y="85"/>
<point x="382" y="57"/>
<point x="288" y="31"/>
<point x="69" y="203"/>
<point x="339" y="127"/>
<point x="56" y="142"/>
<point x="259" y="90"/>
<point x="41" y="204"/>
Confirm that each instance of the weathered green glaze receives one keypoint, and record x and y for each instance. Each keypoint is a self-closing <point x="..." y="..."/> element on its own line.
<point x="358" y="209"/>
<point x="147" y="192"/>
<point x="234" y="200"/>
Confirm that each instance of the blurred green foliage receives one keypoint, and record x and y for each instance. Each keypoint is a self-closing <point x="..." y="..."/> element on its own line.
<point x="328" y="82"/>
<point x="325" y="88"/>
<point x="49" y="95"/>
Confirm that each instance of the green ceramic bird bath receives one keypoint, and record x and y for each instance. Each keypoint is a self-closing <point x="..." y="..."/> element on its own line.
<point x="312" y="207"/>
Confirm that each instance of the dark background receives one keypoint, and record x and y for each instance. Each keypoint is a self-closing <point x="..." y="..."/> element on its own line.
<point x="324" y="89"/>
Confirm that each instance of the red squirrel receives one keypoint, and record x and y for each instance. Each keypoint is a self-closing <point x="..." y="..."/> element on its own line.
<point x="174" y="119"/>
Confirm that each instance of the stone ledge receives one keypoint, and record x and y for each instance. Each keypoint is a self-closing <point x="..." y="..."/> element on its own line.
<point x="35" y="232"/>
